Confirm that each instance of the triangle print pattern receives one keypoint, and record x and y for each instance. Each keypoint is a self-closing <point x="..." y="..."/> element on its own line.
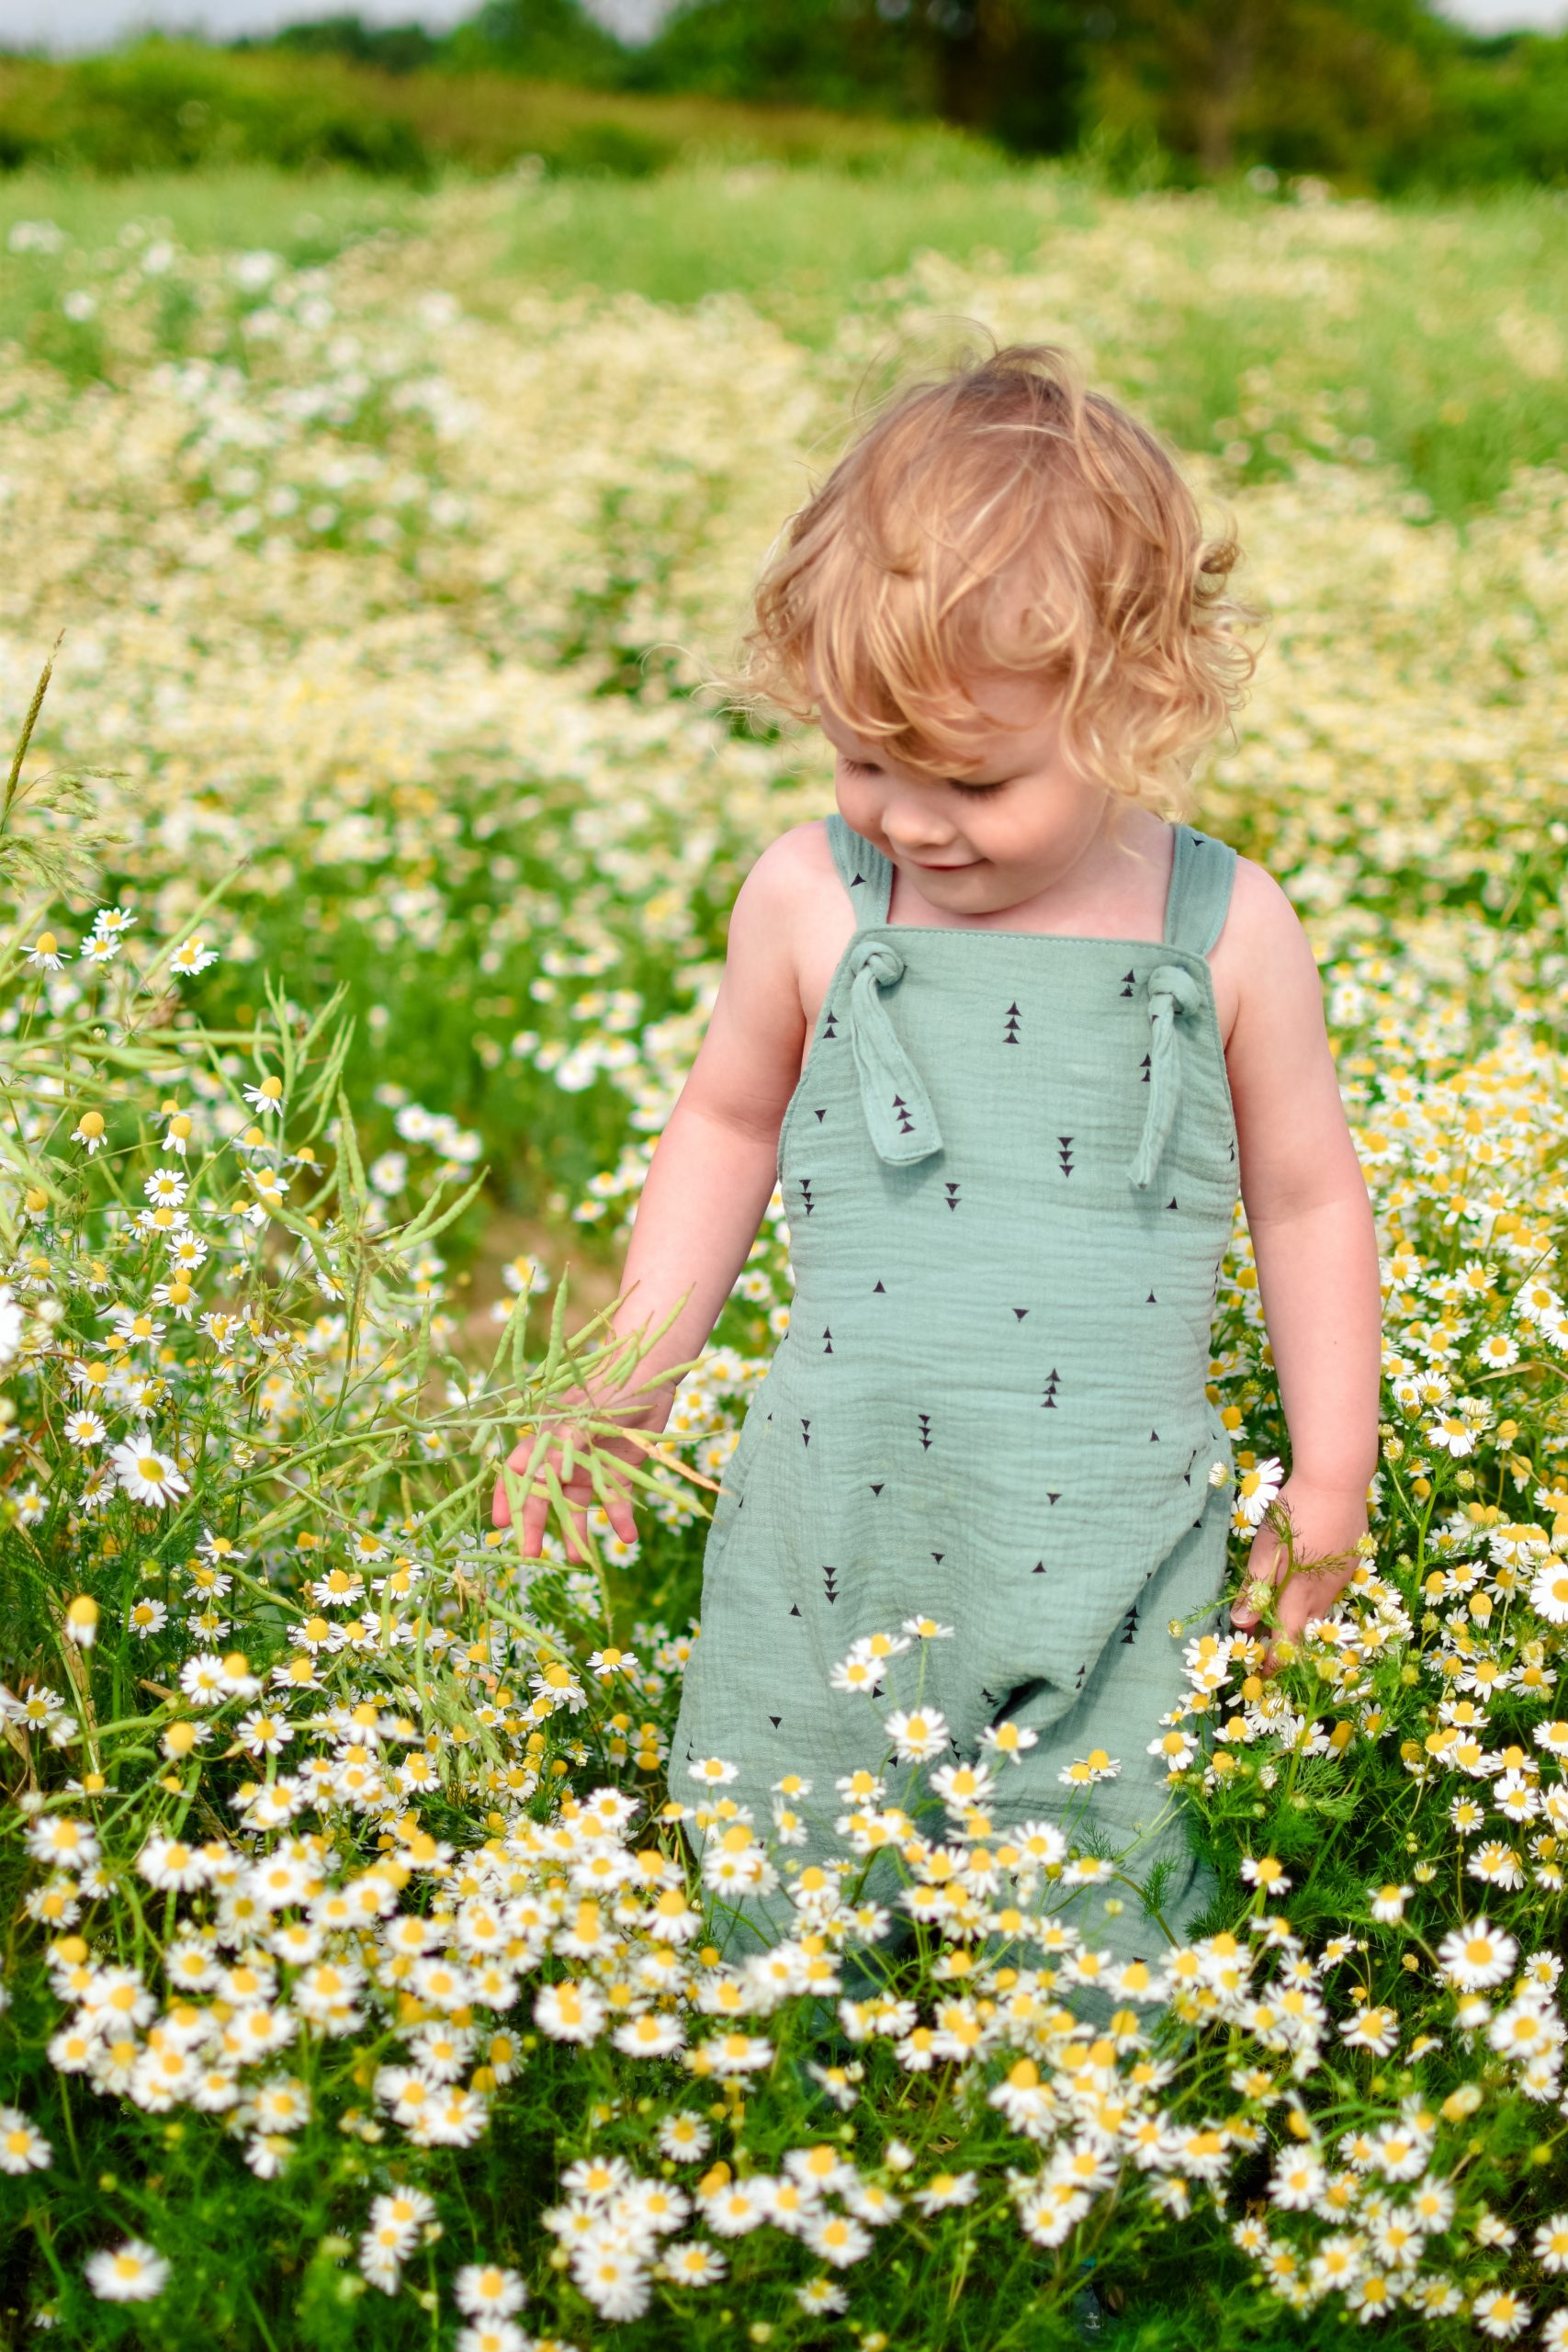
<point x="988" y="1406"/>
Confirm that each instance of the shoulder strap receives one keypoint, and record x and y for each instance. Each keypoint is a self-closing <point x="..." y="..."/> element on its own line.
<point x="865" y="874"/>
<point x="1200" y="894"/>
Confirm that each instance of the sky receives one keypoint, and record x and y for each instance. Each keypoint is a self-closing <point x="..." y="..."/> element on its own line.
<point x="63" y="26"/>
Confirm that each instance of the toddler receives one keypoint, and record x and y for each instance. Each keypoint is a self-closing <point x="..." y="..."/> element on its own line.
<point x="1010" y="1035"/>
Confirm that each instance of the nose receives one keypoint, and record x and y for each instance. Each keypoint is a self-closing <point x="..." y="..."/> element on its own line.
<point x="908" y="840"/>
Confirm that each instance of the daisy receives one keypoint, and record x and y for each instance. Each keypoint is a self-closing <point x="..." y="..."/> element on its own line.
<point x="1527" y="2028"/>
<point x="572" y="2011"/>
<point x="490" y="2336"/>
<point x="917" y="1735"/>
<point x="649" y="2036"/>
<point x="486" y="2290"/>
<point x="613" y="2282"/>
<point x="1256" y="1490"/>
<point x="684" y="2137"/>
<point x="945" y="2188"/>
<point x="1431" y="2204"/>
<point x="168" y="1862"/>
<point x="964" y="1786"/>
<point x="267" y="1096"/>
<point x="70" y="1845"/>
<point x="1388" y="1902"/>
<point x="131" y="2273"/>
<point x="1010" y="1739"/>
<point x="1372" y="2029"/>
<point x="1551" y="2242"/>
<point x="735" y="2208"/>
<point x="1298" y="2180"/>
<point x="1039" y="1844"/>
<point x="1548" y="1593"/>
<point x="1477" y="1955"/>
<point x="693" y="2264"/>
<point x="47" y="955"/>
<point x="1372" y="2295"/>
<point x="193" y="955"/>
<point x="857" y="1674"/>
<point x="23" y="2147"/>
<point x="147" y="1475"/>
<point x="1265" y="1871"/>
<point x="838" y="2238"/>
<point x="1496" y="1864"/>
<point x="1499" y="2312"/>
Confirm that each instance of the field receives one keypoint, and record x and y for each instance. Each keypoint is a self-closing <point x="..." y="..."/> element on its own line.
<point x="398" y="541"/>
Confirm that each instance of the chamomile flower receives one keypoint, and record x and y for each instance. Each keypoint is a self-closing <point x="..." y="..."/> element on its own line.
<point x="132" y="2272"/>
<point x="1256" y="1490"/>
<point x="1388" y="1902"/>
<point x="1476" y="1956"/>
<point x="23" y="2147"/>
<point x="146" y="1474"/>
<point x="917" y="1735"/>
<point x="192" y="955"/>
<point x="487" y="2291"/>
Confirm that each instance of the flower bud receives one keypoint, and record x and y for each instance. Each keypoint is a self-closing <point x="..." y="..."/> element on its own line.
<point x="81" y="1621"/>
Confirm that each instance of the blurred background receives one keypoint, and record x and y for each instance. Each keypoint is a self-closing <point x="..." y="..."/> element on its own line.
<point x="1386" y="93"/>
<point x="396" y="406"/>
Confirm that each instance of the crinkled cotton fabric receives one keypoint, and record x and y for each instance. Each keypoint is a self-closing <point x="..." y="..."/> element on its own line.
<point x="1010" y="1174"/>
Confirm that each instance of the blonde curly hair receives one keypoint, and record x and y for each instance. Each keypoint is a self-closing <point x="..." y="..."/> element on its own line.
<point x="897" y="586"/>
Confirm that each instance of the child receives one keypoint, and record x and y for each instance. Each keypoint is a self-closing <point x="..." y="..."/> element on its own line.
<point x="1026" y="1032"/>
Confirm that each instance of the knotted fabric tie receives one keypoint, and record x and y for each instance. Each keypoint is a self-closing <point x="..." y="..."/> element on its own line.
<point x="1171" y="989"/>
<point x="899" y="1114"/>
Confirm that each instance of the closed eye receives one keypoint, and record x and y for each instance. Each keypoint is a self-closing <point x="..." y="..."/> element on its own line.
<point x="973" y="791"/>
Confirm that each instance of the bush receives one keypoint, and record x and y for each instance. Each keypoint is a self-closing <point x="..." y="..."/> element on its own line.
<point x="164" y="105"/>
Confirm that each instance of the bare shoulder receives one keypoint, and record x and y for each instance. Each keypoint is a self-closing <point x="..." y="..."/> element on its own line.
<point x="792" y="863"/>
<point x="1265" y="961"/>
<point x="1260" y="913"/>
<point x="782" y="886"/>
<point x="793" y="897"/>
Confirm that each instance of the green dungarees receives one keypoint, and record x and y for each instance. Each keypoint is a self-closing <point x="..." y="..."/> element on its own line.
<point x="1009" y="1174"/>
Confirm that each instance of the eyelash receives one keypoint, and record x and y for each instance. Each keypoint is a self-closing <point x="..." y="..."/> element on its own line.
<point x="974" y="791"/>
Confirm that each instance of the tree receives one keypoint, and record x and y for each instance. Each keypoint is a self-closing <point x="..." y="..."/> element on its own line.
<point x="1303" y="85"/>
<point x="549" y="40"/>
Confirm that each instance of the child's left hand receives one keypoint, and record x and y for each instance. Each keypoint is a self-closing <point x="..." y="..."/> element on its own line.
<point x="1326" y="1523"/>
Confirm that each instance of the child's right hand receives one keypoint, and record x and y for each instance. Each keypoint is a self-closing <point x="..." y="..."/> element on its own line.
<point x="578" y="1488"/>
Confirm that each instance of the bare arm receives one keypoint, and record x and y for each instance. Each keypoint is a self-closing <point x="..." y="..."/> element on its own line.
<point x="1313" y="1233"/>
<point x="713" y="1170"/>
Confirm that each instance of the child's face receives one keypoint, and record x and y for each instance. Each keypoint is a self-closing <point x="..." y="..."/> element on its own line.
<point x="981" y="845"/>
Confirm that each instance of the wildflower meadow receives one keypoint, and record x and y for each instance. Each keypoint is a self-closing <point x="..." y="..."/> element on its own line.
<point x="366" y="857"/>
